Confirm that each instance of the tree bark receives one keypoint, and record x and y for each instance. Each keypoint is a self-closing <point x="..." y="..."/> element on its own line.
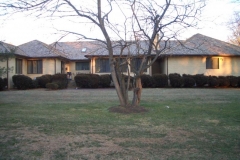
<point x="137" y="92"/>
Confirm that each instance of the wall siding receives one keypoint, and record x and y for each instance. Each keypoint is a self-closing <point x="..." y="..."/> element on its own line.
<point x="197" y="65"/>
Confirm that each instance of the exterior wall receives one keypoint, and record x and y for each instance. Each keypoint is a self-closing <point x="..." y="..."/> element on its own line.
<point x="11" y="64"/>
<point x="72" y="68"/>
<point x="93" y="63"/>
<point x="197" y="65"/>
<point x="50" y="66"/>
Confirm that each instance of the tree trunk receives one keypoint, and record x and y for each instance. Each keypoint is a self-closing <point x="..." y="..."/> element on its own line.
<point x="137" y="92"/>
<point x="116" y="84"/>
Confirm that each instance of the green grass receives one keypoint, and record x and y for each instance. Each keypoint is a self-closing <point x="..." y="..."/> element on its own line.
<point x="76" y="124"/>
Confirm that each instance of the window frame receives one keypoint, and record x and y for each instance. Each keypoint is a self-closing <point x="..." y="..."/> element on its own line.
<point x="102" y="65"/>
<point x="84" y="66"/>
<point x="19" y="66"/>
<point x="135" y="65"/>
<point x="34" y="67"/>
<point x="212" y="63"/>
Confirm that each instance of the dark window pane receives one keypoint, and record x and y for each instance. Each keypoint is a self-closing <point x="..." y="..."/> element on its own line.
<point x="212" y="63"/>
<point x="34" y="67"/>
<point x="18" y="66"/>
<point x="102" y="65"/>
<point x="135" y="64"/>
<point x="82" y="65"/>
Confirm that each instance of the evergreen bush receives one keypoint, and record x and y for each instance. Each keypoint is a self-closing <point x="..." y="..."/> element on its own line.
<point x="200" y="80"/>
<point x="2" y="86"/>
<point x="213" y="81"/>
<point x="176" y="80"/>
<point x="160" y="80"/>
<point x="43" y="80"/>
<point x="188" y="81"/>
<point x="147" y="81"/>
<point x="105" y="80"/>
<point x="52" y="86"/>
<point x="22" y="82"/>
<point x="61" y="80"/>
<point x="224" y="81"/>
<point x="233" y="81"/>
<point x="87" y="80"/>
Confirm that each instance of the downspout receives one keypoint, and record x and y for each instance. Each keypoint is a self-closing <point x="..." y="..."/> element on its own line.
<point x="92" y="64"/>
<point x="7" y="76"/>
<point x="167" y="73"/>
<point x="55" y="68"/>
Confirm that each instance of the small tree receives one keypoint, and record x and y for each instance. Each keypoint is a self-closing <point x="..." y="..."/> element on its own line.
<point x="234" y="26"/>
<point x="136" y="33"/>
<point x="6" y="53"/>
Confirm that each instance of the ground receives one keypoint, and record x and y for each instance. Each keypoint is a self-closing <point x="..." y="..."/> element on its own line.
<point x="76" y="124"/>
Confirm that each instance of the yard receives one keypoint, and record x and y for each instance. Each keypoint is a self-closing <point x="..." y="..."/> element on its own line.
<point x="76" y="124"/>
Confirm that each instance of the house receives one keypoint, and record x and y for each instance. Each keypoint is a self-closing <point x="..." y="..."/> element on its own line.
<point x="200" y="55"/>
<point x="197" y="55"/>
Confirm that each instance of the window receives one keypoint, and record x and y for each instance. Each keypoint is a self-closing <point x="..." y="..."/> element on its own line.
<point x="123" y="65"/>
<point x="102" y="65"/>
<point x="136" y="63"/>
<point x="82" y="66"/>
<point x="18" y="66"/>
<point x="34" y="67"/>
<point x="212" y="63"/>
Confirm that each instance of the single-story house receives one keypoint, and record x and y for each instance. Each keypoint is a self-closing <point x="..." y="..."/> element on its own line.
<point x="197" y="55"/>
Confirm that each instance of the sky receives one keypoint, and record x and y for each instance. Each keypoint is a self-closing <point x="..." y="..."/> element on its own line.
<point x="18" y="29"/>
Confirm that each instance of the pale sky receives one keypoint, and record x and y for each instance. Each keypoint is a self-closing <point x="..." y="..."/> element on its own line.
<point x="18" y="29"/>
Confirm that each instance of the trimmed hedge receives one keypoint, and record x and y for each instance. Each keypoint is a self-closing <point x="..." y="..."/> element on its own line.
<point x="61" y="80"/>
<point x="2" y="83"/>
<point x="147" y="81"/>
<point x="233" y="81"/>
<point x="22" y="82"/>
<point x="160" y="80"/>
<point x="213" y="81"/>
<point x="43" y="80"/>
<point x="52" y="86"/>
<point x="176" y="80"/>
<point x="188" y="81"/>
<point x="223" y="81"/>
<point x="105" y="81"/>
<point x="200" y="80"/>
<point x="87" y="80"/>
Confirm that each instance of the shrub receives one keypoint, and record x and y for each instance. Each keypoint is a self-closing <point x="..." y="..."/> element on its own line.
<point x="87" y="80"/>
<point x="2" y="86"/>
<point x="200" y="80"/>
<point x="43" y="80"/>
<point x="213" y="81"/>
<point x="176" y="80"/>
<point x="147" y="81"/>
<point x="188" y="81"/>
<point x="52" y="86"/>
<point x="105" y="80"/>
<point x="61" y="80"/>
<point x="22" y="82"/>
<point x="238" y="81"/>
<point x="223" y="81"/>
<point x="160" y="80"/>
<point x="233" y="81"/>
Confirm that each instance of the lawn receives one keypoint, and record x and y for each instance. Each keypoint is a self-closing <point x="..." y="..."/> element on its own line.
<point x="76" y="124"/>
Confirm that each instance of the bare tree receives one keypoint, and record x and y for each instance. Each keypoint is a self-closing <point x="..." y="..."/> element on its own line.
<point x="234" y="26"/>
<point x="144" y="24"/>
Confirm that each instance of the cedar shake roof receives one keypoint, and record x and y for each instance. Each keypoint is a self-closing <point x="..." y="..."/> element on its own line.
<point x="37" y="49"/>
<point x="200" y="45"/>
